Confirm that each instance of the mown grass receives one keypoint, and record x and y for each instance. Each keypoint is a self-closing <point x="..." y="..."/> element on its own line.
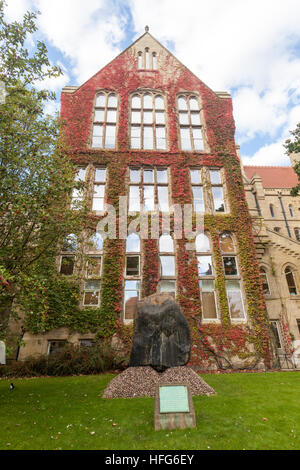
<point x="250" y="411"/>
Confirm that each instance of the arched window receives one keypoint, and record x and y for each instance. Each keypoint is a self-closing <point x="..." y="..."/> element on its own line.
<point x="105" y="120"/>
<point x="291" y="210"/>
<point x="92" y="284"/>
<point x="148" y="129"/>
<point x="167" y="264"/>
<point x="132" y="275"/>
<point x="297" y="234"/>
<point x="154" y="61"/>
<point x="191" y="137"/>
<point x="140" y="60"/>
<point x="147" y="58"/>
<point x="272" y="210"/>
<point x="206" y="277"/>
<point x="264" y="279"/>
<point x="290" y="279"/>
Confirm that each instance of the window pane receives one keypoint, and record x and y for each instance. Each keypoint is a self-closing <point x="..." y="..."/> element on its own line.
<point x="195" y="119"/>
<point x="99" y="190"/>
<point x="162" y="176"/>
<point x="159" y="102"/>
<point x="194" y="104"/>
<point x="148" y="117"/>
<point x="160" y="138"/>
<point x="92" y="285"/>
<point x="148" y="176"/>
<point x="96" y="242"/>
<point x="67" y="265"/>
<point x="226" y="243"/>
<point x="195" y="176"/>
<point x="97" y="135"/>
<point x="197" y="136"/>
<point x="147" y="62"/>
<point x="133" y="243"/>
<point x="148" y="138"/>
<point x="112" y="101"/>
<point x="148" y="101"/>
<point x="98" y="204"/>
<point x="290" y="281"/>
<point x="93" y="266"/>
<point x="234" y="297"/>
<point x="111" y="116"/>
<point x="136" y="101"/>
<point x="70" y="243"/>
<point x="167" y="265"/>
<point x="100" y="101"/>
<point x="182" y="103"/>
<point x="131" y="296"/>
<point x="140" y="60"/>
<point x="135" y="137"/>
<point x="132" y="265"/>
<point x="215" y="177"/>
<point x="99" y="115"/>
<point x="183" y="118"/>
<point x="148" y="198"/>
<point x="136" y="117"/>
<point x="264" y="280"/>
<point x="134" y="198"/>
<point x="160" y="117"/>
<point x="91" y="298"/>
<point x="154" y="62"/>
<point x="166" y="244"/>
<point x="185" y="139"/>
<point x="209" y="310"/>
<point x="163" y="198"/>
<point x="135" y="176"/>
<point x="202" y="243"/>
<point x="110" y="136"/>
<point x="218" y="199"/>
<point x="168" y="286"/>
<point x="80" y="174"/>
<point x="204" y="265"/>
<point x="198" y="199"/>
<point x="274" y="328"/>
<point x="100" y="175"/>
<point x="230" y="267"/>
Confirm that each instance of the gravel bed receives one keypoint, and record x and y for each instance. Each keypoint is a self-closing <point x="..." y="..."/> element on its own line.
<point x="141" y="382"/>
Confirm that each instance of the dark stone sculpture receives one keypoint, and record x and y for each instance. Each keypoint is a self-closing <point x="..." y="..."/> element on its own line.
<point x="161" y="336"/>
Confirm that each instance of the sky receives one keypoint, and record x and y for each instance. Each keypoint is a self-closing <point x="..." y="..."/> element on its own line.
<point x="249" y="48"/>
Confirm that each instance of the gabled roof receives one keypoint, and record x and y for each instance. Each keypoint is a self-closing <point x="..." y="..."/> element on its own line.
<point x="273" y="176"/>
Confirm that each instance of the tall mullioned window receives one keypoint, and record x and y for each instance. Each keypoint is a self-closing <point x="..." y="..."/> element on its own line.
<point x="206" y="277"/>
<point x="105" y="121"/>
<point x="167" y="264"/>
<point x="132" y="275"/>
<point x="148" y="187"/>
<point x="92" y="283"/>
<point x="232" y="277"/>
<point x="99" y="189"/>
<point x="148" y="124"/>
<point x="190" y="126"/>
<point x="217" y="190"/>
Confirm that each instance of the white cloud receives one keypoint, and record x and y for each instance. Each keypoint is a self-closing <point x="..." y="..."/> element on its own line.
<point x="15" y="9"/>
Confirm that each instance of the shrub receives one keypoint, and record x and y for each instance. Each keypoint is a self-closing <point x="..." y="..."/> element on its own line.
<point x="70" y="360"/>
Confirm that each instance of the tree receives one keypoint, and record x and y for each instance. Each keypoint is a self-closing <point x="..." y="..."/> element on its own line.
<point x="36" y="175"/>
<point x="293" y="146"/>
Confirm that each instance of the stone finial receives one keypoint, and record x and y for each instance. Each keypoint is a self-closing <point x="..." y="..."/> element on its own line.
<point x="147" y="29"/>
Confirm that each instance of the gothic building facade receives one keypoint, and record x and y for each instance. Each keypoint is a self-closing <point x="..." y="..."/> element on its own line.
<point x="146" y="129"/>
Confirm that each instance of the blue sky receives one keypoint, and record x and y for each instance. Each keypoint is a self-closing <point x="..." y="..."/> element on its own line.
<point x="250" y="48"/>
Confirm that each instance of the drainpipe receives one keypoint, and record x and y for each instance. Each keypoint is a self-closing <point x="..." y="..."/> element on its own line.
<point x="257" y="204"/>
<point x="284" y="216"/>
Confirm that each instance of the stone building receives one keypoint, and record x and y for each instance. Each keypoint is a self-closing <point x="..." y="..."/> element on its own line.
<point x="276" y="225"/>
<point x="146" y="129"/>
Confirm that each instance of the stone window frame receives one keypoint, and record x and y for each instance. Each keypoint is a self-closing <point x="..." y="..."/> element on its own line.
<point x="93" y="252"/>
<point x="141" y="184"/>
<point x="277" y="336"/>
<point x="167" y="254"/>
<point x="128" y="277"/>
<point x="294" y="273"/>
<point x="188" y="95"/>
<point x="297" y="233"/>
<point x="105" y="123"/>
<point x="141" y="59"/>
<point x="154" y="93"/>
<point x="209" y="277"/>
<point x="234" y="278"/>
<point x="64" y="342"/>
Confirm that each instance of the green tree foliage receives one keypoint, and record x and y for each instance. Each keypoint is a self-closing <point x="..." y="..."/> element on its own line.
<point x="36" y="176"/>
<point x="293" y="146"/>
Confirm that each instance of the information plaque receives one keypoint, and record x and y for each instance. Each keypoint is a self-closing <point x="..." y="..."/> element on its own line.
<point x="174" y="399"/>
<point x="173" y="407"/>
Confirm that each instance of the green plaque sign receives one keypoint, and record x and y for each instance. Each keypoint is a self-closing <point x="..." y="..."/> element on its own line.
<point x="173" y="399"/>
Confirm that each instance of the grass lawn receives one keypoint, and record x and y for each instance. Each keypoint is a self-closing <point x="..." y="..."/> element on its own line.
<point x="250" y="411"/>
